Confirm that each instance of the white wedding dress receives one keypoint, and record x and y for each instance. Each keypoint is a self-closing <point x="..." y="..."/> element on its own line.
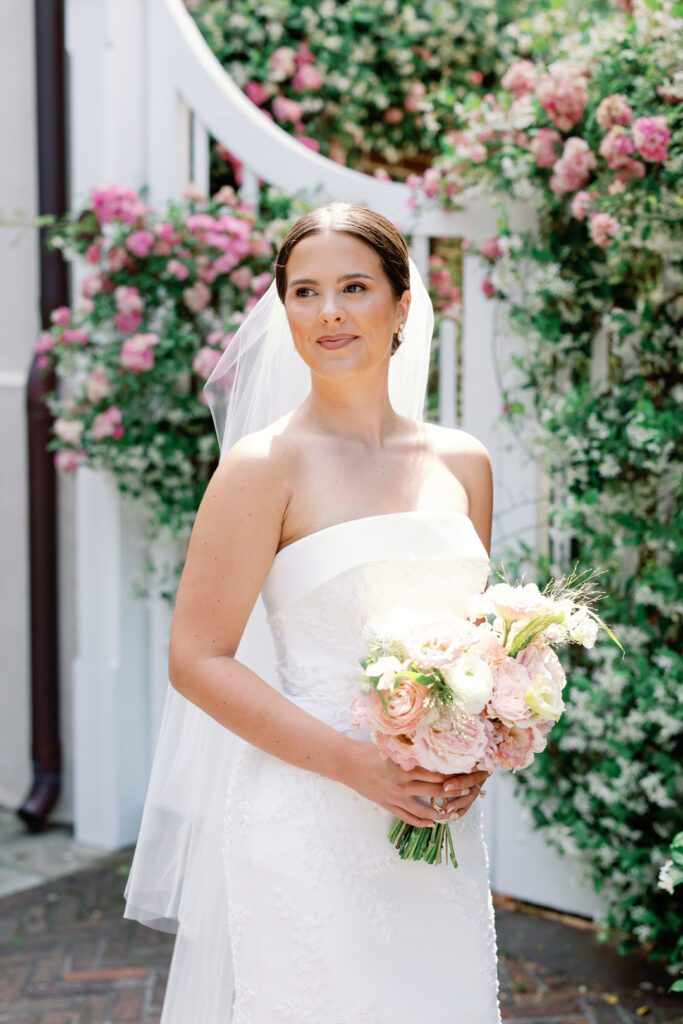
<point x="327" y="924"/>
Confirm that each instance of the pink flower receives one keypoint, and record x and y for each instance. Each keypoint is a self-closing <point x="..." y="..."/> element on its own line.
<point x="490" y="248"/>
<point x="572" y="170"/>
<point x="630" y="170"/>
<point x="399" y="749"/>
<point x="477" y="153"/>
<point x="94" y="252"/>
<point x="510" y="602"/>
<point x="166" y="232"/>
<point x="488" y="288"/>
<point x="118" y="259"/>
<point x="614" y="109"/>
<point x="75" y="336"/>
<point x="178" y="270"/>
<point x="617" y="147"/>
<point x="256" y="92"/>
<point x="563" y="95"/>
<point x="205" y="361"/>
<point x="69" y="461"/>
<point x="415" y="98"/>
<point x="197" y="297"/>
<point x="603" y="228"/>
<point x="137" y="353"/>
<point x="44" y="343"/>
<point x="309" y="143"/>
<point x="580" y="204"/>
<point x="286" y="109"/>
<point x="393" y="115"/>
<point x="69" y="431"/>
<point x="128" y="300"/>
<point x="453" y="744"/>
<point x="282" y="63"/>
<point x="241" y="278"/>
<point x="91" y="285"/>
<point x="307" y="78"/>
<point x="543" y="146"/>
<point x="117" y="203"/>
<point x="520" y="78"/>
<point x="261" y="282"/>
<point x="439" y="643"/>
<point x="431" y="181"/>
<point x="194" y="192"/>
<point x="61" y="317"/>
<point x="97" y="385"/>
<point x="652" y="136"/>
<point x="544" y="696"/>
<point x="475" y="77"/>
<point x="510" y="684"/>
<point x="516" y="745"/>
<point x="108" y="424"/>
<point x="140" y="243"/>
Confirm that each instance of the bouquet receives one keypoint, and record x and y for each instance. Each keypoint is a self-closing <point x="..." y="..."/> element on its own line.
<point x="456" y="694"/>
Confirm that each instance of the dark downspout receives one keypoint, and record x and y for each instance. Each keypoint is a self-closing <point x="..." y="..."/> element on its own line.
<point x="42" y="487"/>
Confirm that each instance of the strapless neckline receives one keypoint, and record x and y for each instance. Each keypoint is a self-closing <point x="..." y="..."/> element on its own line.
<point x="345" y="523"/>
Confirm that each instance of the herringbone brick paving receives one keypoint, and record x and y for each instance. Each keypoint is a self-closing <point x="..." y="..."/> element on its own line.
<point x="68" y="957"/>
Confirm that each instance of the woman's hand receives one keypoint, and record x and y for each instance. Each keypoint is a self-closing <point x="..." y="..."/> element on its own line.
<point x="402" y="792"/>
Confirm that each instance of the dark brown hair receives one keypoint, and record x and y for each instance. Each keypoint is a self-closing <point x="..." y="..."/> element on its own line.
<point x="363" y="224"/>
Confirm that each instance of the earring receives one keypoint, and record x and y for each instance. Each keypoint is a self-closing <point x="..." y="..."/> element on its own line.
<point x="400" y="334"/>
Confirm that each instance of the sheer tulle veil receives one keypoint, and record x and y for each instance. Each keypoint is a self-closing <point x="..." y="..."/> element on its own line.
<point x="177" y="881"/>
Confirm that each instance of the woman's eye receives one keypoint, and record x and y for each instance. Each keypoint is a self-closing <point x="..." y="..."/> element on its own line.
<point x="356" y="284"/>
<point x="300" y="291"/>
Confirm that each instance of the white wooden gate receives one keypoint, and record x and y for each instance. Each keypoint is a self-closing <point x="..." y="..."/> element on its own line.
<point x="146" y="95"/>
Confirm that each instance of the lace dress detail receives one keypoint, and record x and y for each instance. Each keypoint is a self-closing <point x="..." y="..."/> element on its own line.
<point x="323" y="912"/>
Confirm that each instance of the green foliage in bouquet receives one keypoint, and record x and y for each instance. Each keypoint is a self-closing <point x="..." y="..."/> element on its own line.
<point x="594" y="142"/>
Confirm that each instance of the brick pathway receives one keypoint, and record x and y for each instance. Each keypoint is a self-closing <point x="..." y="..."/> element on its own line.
<point x="68" y="957"/>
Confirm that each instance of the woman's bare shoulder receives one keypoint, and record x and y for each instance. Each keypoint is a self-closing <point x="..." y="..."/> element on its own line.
<point x="453" y="442"/>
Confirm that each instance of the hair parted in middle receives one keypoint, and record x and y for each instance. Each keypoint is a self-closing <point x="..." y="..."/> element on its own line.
<point x="362" y="223"/>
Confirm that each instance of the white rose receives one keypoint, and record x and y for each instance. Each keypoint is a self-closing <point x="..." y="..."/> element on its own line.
<point x="471" y="681"/>
<point x="69" y="431"/>
<point x="386" y="669"/>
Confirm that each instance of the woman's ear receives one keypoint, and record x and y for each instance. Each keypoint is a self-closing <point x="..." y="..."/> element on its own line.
<point x="403" y="307"/>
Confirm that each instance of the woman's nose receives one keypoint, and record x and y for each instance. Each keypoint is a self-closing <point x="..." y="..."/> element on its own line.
<point x="331" y="310"/>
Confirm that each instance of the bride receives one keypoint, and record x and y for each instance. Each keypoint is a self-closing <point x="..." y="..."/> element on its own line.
<point x="264" y="835"/>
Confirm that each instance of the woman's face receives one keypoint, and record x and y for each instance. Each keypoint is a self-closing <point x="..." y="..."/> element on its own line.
<point x="340" y="305"/>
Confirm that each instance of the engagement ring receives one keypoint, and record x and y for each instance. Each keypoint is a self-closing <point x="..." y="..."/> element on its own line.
<point x="436" y="807"/>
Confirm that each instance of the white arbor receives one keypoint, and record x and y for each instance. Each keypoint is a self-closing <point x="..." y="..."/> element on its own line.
<point x="147" y="94"/>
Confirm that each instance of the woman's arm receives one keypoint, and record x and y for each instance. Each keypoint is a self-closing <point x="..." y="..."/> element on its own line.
<point x="234" y="539"/>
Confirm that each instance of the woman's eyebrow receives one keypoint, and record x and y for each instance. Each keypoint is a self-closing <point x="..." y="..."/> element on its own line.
<point x="344" y="277"/>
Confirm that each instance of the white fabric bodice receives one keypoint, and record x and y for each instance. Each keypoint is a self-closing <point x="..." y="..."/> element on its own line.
<point x="324" y="588"/>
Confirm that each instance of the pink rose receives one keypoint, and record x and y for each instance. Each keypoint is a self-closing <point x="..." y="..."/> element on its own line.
<point x="69" y="431"/>
<point x="118" y="259"/>
<point x="543" y="146"/>
<point x="652" y="136"/>
<point x="614" y="109"/>
<point x="399" y="749"/>
<point x="97" y="385"/>
<point x="572" y="170"/>
<point x="453" y="744"/>
<point x="510" y="684"/>
<point x="117" y="203"/>
<point x="307" y="78"/>
<point x="603" y="228"/>
<point x="406" y="708"/>
<point x="440" y="642"/>
<point x="75" y="336"/>
<point x="241" y="278"/>
<point x="91" y="285"/>
<point x="140" y="243"/>
<point x="282" y="63"/>
<point x="137" y="353"/>
<point x="108" y="424"/>
<point x="69" y="461"/>
<point x="44" y="343"/>
<point x="490" y="248"/>
<point x="488" y="288"/>
<point x="516" y="745"/>
<point x="287" y="110"/>
<point x="205" y="361"/>
<point x="94" y="252"/>
<point x="194" y="192"/>
<point x="520" y="78"/>
<point x="563" y="95"/>
<point x="580" y="204"/>
<point x="128" y="300"/>
<point x="256" y="92"/>
<point x="309" y="143"/>
<point x="178" y="270"/>
<point x="616" y="147"/>
<point x="197" y="297"/>
<point x="630" y="170"/>
<point x="61" y="317"/>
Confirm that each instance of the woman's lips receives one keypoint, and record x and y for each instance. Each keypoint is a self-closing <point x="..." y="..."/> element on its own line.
<point x="338" y="341"/>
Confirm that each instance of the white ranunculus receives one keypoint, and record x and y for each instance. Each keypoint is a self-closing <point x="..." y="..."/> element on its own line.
<point x="583" y="629"/>
<point x="471" y="681"/>
<point x="544" y="697"/>
<point x="386" y="670"/>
